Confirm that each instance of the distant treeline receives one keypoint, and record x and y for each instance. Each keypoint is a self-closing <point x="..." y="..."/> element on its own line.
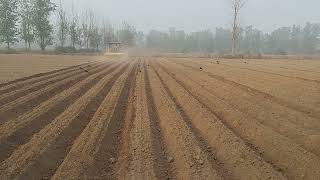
<point x="42" y="24"/>
<point x="285" y="40"/>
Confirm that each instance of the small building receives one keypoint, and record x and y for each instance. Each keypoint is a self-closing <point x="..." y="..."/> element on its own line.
<point x="114" y="47"/>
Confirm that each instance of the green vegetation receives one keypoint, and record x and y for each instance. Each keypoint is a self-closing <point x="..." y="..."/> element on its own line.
<point x="8" y="19"/>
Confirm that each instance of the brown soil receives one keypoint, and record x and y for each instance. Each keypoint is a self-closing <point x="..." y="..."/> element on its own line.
<point x="163" y="118"/>
<point x="16" y="66"/>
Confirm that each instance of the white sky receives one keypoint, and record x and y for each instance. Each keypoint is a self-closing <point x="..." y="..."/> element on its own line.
<point x="193" y="15"/>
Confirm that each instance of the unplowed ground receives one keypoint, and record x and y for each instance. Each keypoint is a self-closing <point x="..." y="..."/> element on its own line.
<point x="163" y="118"/>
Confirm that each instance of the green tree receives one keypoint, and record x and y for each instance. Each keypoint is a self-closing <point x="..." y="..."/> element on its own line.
<point x="26" y="25"/>
<point x="8" y="19"/>
<point x="41" y="19"/>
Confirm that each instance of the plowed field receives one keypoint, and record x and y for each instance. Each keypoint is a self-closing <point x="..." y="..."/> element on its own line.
<point x="15" y="66"/>
<point x="164" y="118"/>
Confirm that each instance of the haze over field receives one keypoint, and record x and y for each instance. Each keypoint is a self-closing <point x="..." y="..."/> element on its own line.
<point x="208" y="26"/>
<point x="160" y="89"/>
<point x="191" y="15"/>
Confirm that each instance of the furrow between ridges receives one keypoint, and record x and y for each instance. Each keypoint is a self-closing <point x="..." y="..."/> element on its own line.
<point x="37" y="77"/>
<point x="14" y="94"/>
<point x="201" y="141"/>
<point x="232" y="154"/>
<point x="25" y="103"/>
<point x="31" y="158"/>
<point x="91" y="151"/>
<point x="161" y="165"/>
<point x="137" y="154"/>
<point x="185" y="155"/>
<point x="261" y="138"/>
<point x="307" y="111"/>
<point x="33" y="121"/>
<point x="279" y="118"/>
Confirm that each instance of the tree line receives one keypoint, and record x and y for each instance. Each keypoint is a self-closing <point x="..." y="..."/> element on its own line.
<point x="286" y="40"/>
<point x="44" y="23"/>
<point x="26" y="20"/>
<point x="89" y="32"/>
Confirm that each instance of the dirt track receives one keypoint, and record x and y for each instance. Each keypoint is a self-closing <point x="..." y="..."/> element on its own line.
<point x="147" y="118"/>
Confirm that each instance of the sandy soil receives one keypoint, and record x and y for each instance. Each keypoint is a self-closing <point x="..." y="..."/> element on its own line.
<point x="163" y="118"/>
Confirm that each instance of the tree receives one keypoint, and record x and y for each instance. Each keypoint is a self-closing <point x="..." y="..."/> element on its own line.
<point x="157" y="40"/>
<point x="79" y="35"/>
<point x="93" y="31"/>
<point x="8" y="19"/>
<point x="63" y="25"/>
<point x="222" y="40"/>
<point x="311" y="33"/>
<point x="140" y="39"/>
<point x="27" y="27"/>
<point x="252" y="40"/>
<point x="204" y="41"/>
<point x="177" y="39"/>
<point x="95" y="37"/>
<point x="107" y="34"/>
<point x="296" y="39"/>
<point x="279" y="41"/>
<point x="236" y="6"/>
<point x="127" y="34"/>
<point x="85" y="29"/>
<point x="41" y="19"/>
<point x="74" y="29"/>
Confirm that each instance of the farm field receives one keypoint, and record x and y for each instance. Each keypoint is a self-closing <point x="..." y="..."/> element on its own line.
<point x="15" y="66"/>
<point x="161" y="118"/>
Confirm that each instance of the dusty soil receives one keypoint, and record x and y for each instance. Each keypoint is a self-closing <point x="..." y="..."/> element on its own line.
<point x="163" y="118"/>
<point x="16" y="66"/>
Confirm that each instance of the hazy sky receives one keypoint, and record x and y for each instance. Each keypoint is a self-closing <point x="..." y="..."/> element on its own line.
<point x="192" y="15"/>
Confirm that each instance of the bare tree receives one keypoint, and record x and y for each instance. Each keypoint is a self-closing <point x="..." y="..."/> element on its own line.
<point x="127" y="34"/>
<point x="63" y="25"/>
<point x="236" y="7"/>
<point x="73" y="29"/>
<point x="93" y="30"/>
<point x="85" y="29"/>
<point x="107" y="34"/>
